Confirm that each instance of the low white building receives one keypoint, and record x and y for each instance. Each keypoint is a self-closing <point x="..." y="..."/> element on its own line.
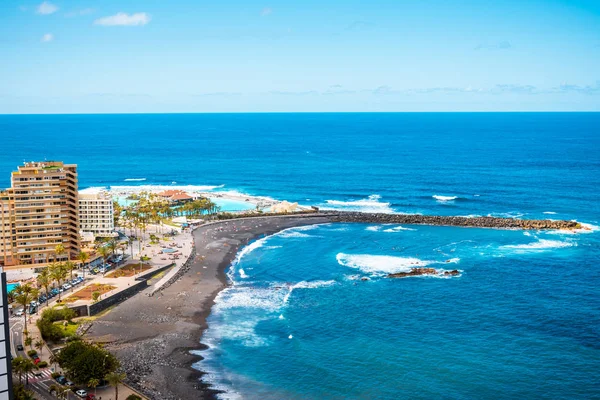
<point x="96" y="213"/>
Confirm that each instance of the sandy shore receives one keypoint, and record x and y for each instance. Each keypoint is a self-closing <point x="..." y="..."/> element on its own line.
<point x="153" y="336"/>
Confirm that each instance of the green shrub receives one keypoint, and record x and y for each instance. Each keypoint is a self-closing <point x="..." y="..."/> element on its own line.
<point x="42" y="364"/>
<point x="32" y="353"/>
<point x="133" y="397"/>
<point x="55" y="375"/>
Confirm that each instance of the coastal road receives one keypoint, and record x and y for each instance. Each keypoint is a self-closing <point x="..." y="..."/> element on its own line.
<point x="16" y="336"/>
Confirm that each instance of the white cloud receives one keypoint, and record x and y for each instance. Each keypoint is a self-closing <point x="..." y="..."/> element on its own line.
<point x="266" y="11"/>
<point x="85" y="11"/>
<point x="124" y="19"/>
<point x="46" y="8"/>
<point x="48" y="37"/>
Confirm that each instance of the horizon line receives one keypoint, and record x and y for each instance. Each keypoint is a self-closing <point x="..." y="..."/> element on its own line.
<point x="316" y="112"/>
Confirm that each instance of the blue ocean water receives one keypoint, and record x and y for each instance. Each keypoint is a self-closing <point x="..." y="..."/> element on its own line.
<point x="521" y="321"/>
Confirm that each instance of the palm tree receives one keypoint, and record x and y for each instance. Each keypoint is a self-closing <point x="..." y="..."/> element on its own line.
<point x="17" y="367"/>
<point x="103" y="251"/>
<point x="28" y="342"/>
<point x="27" y="366"/>
<point x="43" y="280"/>
<point x="58" y="251"/>
<point x="24" y="294"/>
<point x="112" y="246"/>
<point x="53" y="360"/>
<point x="83" y="257"/>
<point x="58" y="273"/>
<point x="93" y="383"/>
<point x="114" y="379"/>
<point x="39" y="345"/>
<point x="69" y="266"/>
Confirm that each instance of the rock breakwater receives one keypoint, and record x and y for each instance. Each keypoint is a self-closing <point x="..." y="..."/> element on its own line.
<point x="475" y="222"/>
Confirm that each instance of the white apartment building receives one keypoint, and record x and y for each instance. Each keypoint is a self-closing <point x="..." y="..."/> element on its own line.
<point x="96" y="213"/>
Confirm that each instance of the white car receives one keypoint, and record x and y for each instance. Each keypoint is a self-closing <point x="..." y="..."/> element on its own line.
<point x="19" y="313"/>
<point x="81" y="393"/>
<point x="67" y="286"/>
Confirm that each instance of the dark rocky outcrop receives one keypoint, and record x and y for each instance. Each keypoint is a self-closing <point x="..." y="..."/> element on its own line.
<point x="475" y="222"/>
<point x="424" y="271"/>
<point x="414" y="272"/>
<point x="454" y="272"/>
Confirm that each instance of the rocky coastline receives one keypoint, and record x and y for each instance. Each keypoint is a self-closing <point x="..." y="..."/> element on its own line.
<point x="472" y="222"/>
<point x="424" y="272"/>
<point x="163" y="330"/>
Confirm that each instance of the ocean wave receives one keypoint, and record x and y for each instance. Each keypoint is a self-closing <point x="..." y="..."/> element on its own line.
<point x="377" y="264"/>
<point x="268" y="299"/>
<point x="134" y="179"/>
<point x="444" y="198"/>
<point x="370" y="204"/>
<point x="296" y="232"/>
<point x="373" y="228"/>
<point x="242" y="274"/>
<point x="307" y="285"/>
<point x="539" y="245"/>
<point x="398" y="229"/>
<point x="549" y="212"/>
<point x="128" y="189"/>
<point x="257" y="244"/>
<point x="510" y="214"/>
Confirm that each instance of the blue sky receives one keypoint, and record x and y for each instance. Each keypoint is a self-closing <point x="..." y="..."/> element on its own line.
<point x="89" y="56"/>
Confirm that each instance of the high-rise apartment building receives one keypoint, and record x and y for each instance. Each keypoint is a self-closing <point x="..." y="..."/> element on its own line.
<point x="38" y="212"/>
<point x="96" y="213"/>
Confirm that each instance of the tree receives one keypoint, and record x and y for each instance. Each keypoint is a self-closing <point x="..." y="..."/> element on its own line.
<point x="95" y="296"/>
<point x="133" y="397"/>
<point x="103" y="251"/>
<point x="83" y="257"/>
<point x="93" y="383"/>
<point x="59" y="250"/>
<point x="21" y="393"/>
<point x="24" y="294"/>
<point x="112" y="246"/>
<point x="29" y="342"/>
<point x="69" y="267"/>
<point x="53" y="360"/>
<point x="27" y="366"/>
<point x="39" y="344"/>
<point x="114" y="379"/>
<point x="43" y="280"/>
<point x="85" y="361"/>
<point x="17" y="367"/>
<point x="58" y="273"/>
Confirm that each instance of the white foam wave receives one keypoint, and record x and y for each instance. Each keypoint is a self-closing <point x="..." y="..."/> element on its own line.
<point x="510" y="214"/>
<point x="454" y="260"/>
<point x="540" y="245"/>
<point x="269" y="299"/>
<point x="370" y="204"/>
<point x="526" y="233"/>
<point x="398" y="229"/>
<point x="306" y="285"/>
<point x="296" y="232"/>
<point x="249" y="249"/>
<point x="134" y="179"/>
<point x="294" y="235"/>
<point x="242" y="274"/>
<point x="373" y="228"/>
<point x="549" y="212"/>
<point x="127" y="189"/>
<point x="444" y="198"/>
<point x="376" y="264"/>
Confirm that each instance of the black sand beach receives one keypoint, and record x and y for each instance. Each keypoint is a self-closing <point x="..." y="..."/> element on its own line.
<point x="153" y="336"/>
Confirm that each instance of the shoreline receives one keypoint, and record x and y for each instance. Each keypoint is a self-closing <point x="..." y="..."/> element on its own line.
<point x="162" y="330"/>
